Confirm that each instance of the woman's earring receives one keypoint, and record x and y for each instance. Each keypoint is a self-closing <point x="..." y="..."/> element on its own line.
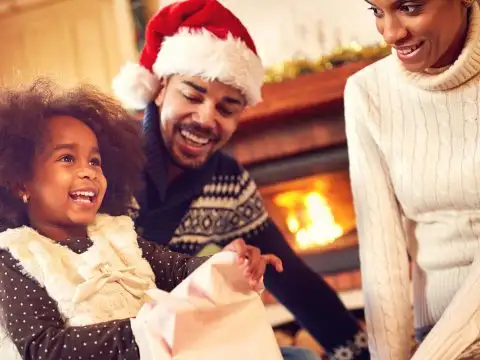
<point x="25" y="198"/>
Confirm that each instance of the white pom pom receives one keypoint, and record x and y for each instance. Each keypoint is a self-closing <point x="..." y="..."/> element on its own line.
<point x="135" y="86"/>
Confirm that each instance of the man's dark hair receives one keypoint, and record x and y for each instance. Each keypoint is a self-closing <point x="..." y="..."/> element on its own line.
<point x="24" y="117"/>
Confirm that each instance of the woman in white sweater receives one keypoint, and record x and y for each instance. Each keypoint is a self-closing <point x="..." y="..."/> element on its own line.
<point x="413" y="131"/>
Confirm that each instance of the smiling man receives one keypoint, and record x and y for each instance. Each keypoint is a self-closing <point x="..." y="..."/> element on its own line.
<point x="198" y="72"/>
<point x="192" y="136"/>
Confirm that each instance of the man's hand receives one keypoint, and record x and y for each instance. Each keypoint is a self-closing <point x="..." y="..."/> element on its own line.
<point x="253" y="261"/>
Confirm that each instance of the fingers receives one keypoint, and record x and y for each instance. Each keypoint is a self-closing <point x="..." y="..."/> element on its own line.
<point x="253" y="255"/>
<point x="239" y="247"/>
<point x="255" y="265"/>
<point x="253" y="261"/>
<point x="258" y="272"/>
<point x="274" y="261"/>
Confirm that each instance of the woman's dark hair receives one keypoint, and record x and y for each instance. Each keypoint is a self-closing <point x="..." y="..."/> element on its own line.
<point x="24" y="117"/>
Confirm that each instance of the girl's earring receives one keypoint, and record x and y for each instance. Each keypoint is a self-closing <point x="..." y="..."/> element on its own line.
<point x="25" y="198"/>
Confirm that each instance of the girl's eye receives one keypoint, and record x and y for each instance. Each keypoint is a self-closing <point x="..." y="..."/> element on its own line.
<point x="67" y="158"/>
<point x="96" y="162"/>
<point x="376" y="11"/>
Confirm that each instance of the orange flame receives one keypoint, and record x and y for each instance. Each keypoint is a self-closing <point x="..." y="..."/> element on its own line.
<point x="309" y="218"/>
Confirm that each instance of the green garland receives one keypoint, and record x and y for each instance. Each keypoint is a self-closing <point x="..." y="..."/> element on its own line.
<point x="343" y="55"/>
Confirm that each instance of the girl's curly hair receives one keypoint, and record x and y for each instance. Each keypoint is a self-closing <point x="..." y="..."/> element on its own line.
<point x="24" y="117"/>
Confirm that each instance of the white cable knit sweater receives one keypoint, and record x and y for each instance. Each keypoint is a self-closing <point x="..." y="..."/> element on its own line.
<point x="414" y="147"/>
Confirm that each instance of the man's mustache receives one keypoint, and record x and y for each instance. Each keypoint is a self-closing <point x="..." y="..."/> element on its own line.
<point x="199" y="130"/>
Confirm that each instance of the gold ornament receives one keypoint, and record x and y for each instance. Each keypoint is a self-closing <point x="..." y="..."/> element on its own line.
<point x="339" y="56"/>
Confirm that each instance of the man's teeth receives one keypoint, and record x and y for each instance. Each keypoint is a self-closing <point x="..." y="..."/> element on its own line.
<point x="409" y="50"/>
<point x="197" y="140"/>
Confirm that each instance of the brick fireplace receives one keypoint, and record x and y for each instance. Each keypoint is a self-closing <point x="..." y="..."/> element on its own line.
<point x="294" y="146"/>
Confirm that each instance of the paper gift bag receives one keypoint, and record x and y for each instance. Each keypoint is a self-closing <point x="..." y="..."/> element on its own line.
<point x="212" y="315"/>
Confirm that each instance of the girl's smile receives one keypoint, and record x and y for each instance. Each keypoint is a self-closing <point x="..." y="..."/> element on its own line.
<point x="68" y="184"/>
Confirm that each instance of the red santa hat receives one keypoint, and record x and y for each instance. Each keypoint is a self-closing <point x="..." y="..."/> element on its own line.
<point x="194" y="38"/>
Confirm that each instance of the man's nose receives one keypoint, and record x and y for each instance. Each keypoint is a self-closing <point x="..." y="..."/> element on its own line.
<point x="205" y="115"/>
<point x="393" y="30"/>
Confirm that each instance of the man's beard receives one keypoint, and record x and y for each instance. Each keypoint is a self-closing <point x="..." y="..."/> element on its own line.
<point x="177" y="158"/>
<point x="192" y="127"/>
<point x="177" y="163"/>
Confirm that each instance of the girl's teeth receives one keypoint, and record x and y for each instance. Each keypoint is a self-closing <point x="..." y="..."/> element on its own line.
<point x="84" y="193"/>
<point x="84" y="200"/>
<point x="83" y="196"/>
<point x="194" y="138"/>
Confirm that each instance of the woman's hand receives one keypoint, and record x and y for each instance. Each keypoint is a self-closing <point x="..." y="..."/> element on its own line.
<point x="253" y="261"/>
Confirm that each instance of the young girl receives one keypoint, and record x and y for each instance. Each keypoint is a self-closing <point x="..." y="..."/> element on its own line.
<point x="72" y="269"/>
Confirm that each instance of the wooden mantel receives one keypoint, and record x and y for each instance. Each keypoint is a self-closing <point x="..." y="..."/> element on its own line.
<point x="302" y="96"/>
<point x="296" y="116"/>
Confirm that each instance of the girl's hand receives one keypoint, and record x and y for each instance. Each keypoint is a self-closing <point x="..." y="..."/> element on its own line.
<point x="253" y="261"/>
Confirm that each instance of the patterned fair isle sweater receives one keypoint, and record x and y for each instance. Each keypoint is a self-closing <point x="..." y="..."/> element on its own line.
<point x="212" y="206"/>
<point x="414" y="146"/>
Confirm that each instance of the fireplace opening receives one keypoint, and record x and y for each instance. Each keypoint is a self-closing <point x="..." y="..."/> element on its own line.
<point x="309" y="198"/>
<point x="315" y="213"/>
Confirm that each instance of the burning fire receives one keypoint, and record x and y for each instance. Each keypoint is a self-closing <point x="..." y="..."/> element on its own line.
<point x="309" y="218"/>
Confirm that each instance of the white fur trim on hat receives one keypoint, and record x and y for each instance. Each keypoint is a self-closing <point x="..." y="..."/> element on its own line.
<point x="135" y="86"/>
<point x="200" y="53"/>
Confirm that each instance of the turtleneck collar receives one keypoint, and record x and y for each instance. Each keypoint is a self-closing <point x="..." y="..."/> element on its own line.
<point x="463" y="69"/>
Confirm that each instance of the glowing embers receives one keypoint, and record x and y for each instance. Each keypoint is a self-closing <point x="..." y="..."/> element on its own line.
<point x="315" y="211"/>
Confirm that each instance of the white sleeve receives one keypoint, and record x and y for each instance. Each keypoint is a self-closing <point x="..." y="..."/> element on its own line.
<point x="459" y="325"/>
<point x="382" y="241"/>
